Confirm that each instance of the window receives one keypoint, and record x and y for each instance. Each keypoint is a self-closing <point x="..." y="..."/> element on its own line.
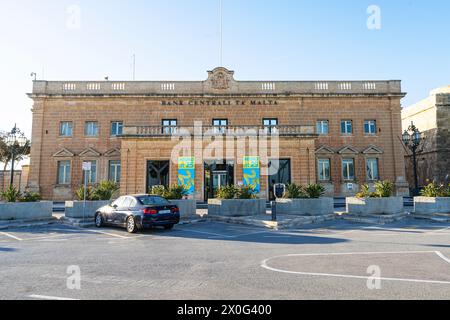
<point x="116" y="128"/>
<point x="346" y="127"/>
<point x="158" y="174"/>
<point x="90" y="175"/>
<point x="372" y="170"/>
<point x="114" y="171"/>
<point x="370" y="127"/>
<point x="324" y="171"/>
<point x="91" y="129"/>
<point x="348" y="169"/>
<point x="270" y="125"/>
<point x="169" y="127"/>
<point x="323" y="127"/>
<point x="63" y="172"/>
<point x="220" y="125"/>
<point x="66" y="129"/>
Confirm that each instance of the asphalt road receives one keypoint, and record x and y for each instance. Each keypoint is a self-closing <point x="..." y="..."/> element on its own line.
<point x="221" y="261"/>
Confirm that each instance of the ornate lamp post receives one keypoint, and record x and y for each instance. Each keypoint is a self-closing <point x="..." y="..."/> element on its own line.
<point x="412" y="139"/>
<point x="13" y="140"/>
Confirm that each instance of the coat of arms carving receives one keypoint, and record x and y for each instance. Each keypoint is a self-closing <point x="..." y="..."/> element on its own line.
<point x="220" y="81"/>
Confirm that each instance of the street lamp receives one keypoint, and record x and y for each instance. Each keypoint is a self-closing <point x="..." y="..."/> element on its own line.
<point x="14" y="139"/>
<point x="412" y="139"/>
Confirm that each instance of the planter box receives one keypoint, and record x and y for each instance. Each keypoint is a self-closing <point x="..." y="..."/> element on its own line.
<point x="375" y="206"/>
<point x="188" y="208"/>
<point x="306" y="207"/>
<point x="236" y="207"/>
<point x="74" y="209"/>
<point x="429" y="206"/>
<point x="26" y="211"/>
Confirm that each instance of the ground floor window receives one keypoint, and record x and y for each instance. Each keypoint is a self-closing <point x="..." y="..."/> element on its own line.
<point x="158" y="174"/>
<point x="90" y="176"/>
<point x="348" y="169"/>
<point x="279" y="172"/>
<point x="114" y="171"/>
<point x="324" y="169"/>
<point x="218" y="173"/>
<point x="373" y="169"/>
<point x="64" y="172"/>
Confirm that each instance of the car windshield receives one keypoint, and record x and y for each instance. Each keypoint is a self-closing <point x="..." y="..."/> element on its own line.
<point x="151" y="201"/>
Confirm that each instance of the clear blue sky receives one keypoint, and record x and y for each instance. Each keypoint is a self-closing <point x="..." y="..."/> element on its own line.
<point x="178" y="40"/>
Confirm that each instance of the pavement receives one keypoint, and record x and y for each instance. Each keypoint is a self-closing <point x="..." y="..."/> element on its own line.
<point x="409" y="259"/>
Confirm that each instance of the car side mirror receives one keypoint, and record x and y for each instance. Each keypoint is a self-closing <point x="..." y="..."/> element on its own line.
<point x="115" y="206"/>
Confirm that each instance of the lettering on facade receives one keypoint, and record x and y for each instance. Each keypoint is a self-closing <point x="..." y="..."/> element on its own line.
<point x="209" y="103"/>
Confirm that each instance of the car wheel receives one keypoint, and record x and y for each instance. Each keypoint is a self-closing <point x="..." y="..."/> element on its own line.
<point x="169" y="227"/>
<point x="131" y="225"/>
<point x="98" y="220"/>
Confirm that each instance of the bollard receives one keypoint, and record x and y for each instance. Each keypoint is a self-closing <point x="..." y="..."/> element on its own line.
<point x="274" y="211"/>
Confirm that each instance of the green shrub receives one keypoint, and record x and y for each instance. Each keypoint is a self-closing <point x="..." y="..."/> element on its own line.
<point x="294" y="191"/>
<point x="246" y="192"/>
<point x="30" y="197"/>
<point x="365" y="192"/>
<point x="175" y="193"/>
<point x="227" y="193"/>
<point x="105" y="191"/>
<point x="10" y="195"/>
<point x="384" y="189"/>
<point x="435" y="191"/>
<point x="315" y="191"/>
<point x="158" y="191"/>
<point x="89" y="193"/>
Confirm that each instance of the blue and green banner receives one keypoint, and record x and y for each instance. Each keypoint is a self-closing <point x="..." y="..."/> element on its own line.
<point x="252" y="175"/>
<point x="186" y="174"/>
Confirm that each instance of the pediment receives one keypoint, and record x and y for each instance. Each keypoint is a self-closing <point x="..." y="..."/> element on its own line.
<point x="64" y="153"/>
<point x="115" y="152"/>
<point x="348" y="150"/>
<point x="90" y="152"/>
<point x="373" y="150"/>
<point x="325" y="150"/>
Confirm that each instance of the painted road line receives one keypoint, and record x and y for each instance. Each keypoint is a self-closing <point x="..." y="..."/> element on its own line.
<point x="111" y="234"/>
<point x="39" y="297"/>
<point x="265" y="265"/>
<point x="443" y="257"/>
<point x="11" y="236"/>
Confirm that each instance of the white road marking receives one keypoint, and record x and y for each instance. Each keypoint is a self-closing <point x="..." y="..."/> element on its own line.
<point x="442" y="256"/>
<point x="111" y="234"/>
<point x="39" y="297"/>
<point x="11" y="236"/>
<point x="264" y="265"/>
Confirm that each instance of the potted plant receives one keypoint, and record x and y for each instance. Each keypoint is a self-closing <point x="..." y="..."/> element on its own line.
<point x="27" y="206"/>
<point x="96" y="197"/>
<point x="235" y="201"/>
<point x="177" y="195"/>
<point x="305" y="201"/>
<point x="433" y="199"/>
<point x="378" y="202"/>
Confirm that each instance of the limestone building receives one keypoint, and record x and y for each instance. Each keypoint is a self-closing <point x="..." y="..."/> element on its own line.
<point x="432" y="117"/>
<point x="141" y="134"/>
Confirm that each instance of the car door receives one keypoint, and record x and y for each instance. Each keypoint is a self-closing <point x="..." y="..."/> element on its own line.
<point x="121" y="214"/>
<point x="111" y="210"/>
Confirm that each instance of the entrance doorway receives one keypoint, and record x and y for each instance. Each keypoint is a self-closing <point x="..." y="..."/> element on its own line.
<point x="279" y="172"/>
<point x="158" y="174"/>
<point x="218" y="174"/>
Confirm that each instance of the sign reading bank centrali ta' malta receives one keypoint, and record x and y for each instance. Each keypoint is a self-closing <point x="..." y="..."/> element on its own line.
<point x="252" y="174"/>
<point x="186" y="174"/>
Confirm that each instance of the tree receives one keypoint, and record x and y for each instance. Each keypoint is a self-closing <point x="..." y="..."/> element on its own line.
<point x="5" y="151"/>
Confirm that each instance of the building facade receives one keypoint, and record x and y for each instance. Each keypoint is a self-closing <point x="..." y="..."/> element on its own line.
<point x="216" y="132"/>
<point x="432" y="117"/>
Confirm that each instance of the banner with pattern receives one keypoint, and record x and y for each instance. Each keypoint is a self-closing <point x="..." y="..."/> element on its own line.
<point x="186" y="174"/>
<point x="252" y="173"/>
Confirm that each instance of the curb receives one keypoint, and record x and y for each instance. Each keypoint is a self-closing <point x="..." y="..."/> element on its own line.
<point x="28" y="223"/>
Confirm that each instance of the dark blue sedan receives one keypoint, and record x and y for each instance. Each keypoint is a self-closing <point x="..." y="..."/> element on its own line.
<point x="138" y="212"/>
